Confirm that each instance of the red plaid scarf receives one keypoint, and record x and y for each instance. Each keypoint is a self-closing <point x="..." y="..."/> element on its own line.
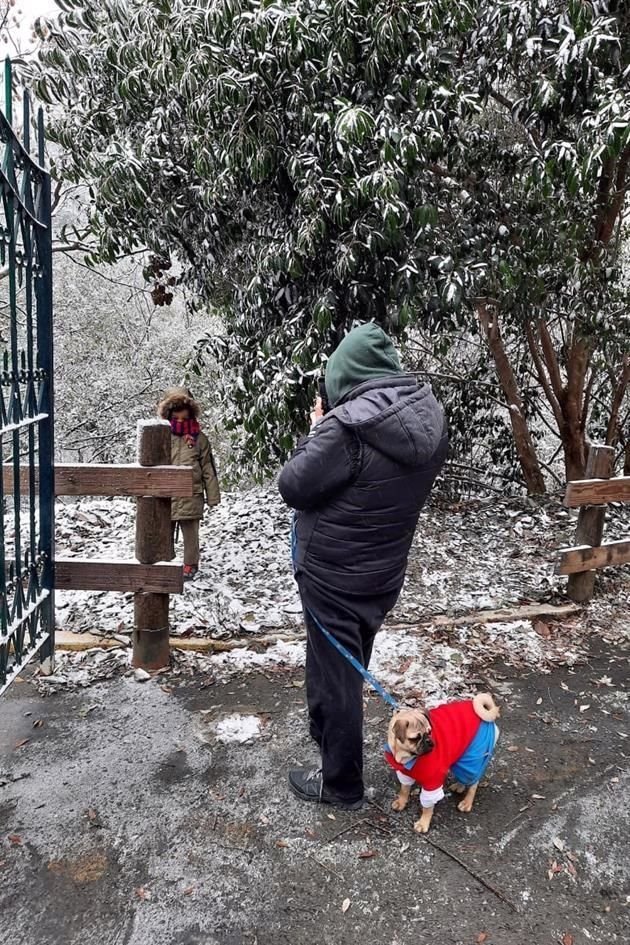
<point x="189" y="429"/>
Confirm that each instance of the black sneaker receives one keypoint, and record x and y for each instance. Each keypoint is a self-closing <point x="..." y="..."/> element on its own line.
<point x="309" y="786"/>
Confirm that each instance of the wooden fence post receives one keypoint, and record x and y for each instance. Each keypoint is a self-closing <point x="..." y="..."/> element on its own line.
<point x="151" y="649"/>
<point x="590" y="525"/>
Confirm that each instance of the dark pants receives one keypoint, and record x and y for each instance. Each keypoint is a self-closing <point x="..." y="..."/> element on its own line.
<point x="334" y="688"/>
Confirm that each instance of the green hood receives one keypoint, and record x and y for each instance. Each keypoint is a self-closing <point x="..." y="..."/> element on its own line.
<point x="366" y="353"/>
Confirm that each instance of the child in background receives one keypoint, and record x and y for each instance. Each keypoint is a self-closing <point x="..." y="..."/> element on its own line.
<point x="189" y="447"/>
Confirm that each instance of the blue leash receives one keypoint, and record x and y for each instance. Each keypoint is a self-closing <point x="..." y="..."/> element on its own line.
<point x="367" y="675"/>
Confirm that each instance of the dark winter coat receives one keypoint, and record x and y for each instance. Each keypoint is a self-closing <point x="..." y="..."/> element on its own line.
<point x="358" y="482"/>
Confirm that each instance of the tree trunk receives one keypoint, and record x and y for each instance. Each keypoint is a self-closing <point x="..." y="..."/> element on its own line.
<point x="612" y="431"/>
<point x="525" y="448"/>
<point x="569" y="402"/>
<point x="572" y="430"/>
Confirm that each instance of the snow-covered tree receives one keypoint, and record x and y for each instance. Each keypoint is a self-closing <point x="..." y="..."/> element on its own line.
<point x="441" y="166"/>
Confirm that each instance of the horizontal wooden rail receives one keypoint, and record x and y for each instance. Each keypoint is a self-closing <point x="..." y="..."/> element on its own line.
<point x="108" y="479"/>
<point x="586" y="558"/>
<point x="597" y="491"/>
<point x="76" y="574"/>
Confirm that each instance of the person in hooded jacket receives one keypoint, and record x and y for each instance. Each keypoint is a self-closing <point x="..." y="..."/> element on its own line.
<point x="357" y="482"/>
<point x="189" y="447"/>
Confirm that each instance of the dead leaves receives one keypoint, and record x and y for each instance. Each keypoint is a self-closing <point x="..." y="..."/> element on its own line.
<point x="21" y="743"/>
<point x="93" y="818"/>
<point x="481" y="938"/>
<point x="143" y="893"/>
<point x="567" y="939"/>
<point x="367" y="854"/>
<point x="542" y="629"/>
<point x="558" y="865"/>
<point x="345" y="905"/>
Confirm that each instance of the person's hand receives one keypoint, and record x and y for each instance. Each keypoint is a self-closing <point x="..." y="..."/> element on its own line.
<point x="317" y="412"/>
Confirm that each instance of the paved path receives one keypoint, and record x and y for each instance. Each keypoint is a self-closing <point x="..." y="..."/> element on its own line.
<point x="124" y="822"/>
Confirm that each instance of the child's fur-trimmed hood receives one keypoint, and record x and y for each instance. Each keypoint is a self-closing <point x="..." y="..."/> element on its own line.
<point x="178" y="398"/>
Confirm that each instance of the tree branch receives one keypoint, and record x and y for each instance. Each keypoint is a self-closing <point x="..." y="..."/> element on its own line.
<point x="547" y="385"/>
<point x="612" y="431"/>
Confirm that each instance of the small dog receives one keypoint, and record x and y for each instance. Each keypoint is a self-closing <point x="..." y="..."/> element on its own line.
<point x="424" y="746"/>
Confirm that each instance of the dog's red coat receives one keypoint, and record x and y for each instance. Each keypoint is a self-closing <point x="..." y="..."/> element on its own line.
<point x="453" y="727"/>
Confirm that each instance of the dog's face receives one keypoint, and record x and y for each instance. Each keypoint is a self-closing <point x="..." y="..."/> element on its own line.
<point x="409" y="735"/>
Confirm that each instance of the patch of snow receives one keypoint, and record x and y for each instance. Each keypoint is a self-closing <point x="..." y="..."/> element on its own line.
<point x="280" y="654"/>
<point x="238" y="729"/>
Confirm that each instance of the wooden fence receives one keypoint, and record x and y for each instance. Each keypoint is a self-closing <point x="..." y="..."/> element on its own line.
<point x="151" y="576"/>
<point x="591" y="496"/>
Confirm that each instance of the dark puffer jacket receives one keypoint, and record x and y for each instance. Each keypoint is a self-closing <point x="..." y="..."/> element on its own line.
<point x="358" y="482"/>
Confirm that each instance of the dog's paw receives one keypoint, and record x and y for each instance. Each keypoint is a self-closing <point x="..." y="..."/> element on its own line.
<point x="457" y="788"/>
<point x="399" y="803"/>
<point x="465" y="805"/>
<point x="421" y="826"/>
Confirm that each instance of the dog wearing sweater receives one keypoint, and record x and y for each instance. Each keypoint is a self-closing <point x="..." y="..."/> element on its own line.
<point x="423" y="746"/>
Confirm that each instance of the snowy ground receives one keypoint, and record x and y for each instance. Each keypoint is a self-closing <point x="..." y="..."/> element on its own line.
<point x="466" y="558"/>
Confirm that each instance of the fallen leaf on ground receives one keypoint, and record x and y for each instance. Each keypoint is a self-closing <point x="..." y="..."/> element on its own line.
<point x="583" y="708"/>
<point x="38" y="723"/>
<point x="23" y="742"/>
<point x="541" y="628"/>
<point x="345" y="905"/>
<point x="567" y="939"/>
<point x="481" y="938"/>
<point x="310" y="833"/>
<point x="554" y="868"/>
<point x="143" y="893"/>
<point x="189" y="891"/>
<point x="281" y="843"/>
<point x="367" y="854"/>
<point x="15" y="839"/>
<point x="558" y="843"/>
<point x="93" y="817"/>
<point x="512" y="747"/>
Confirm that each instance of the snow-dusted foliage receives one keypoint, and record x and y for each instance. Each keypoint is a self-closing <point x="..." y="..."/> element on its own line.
<point x="448" y="166"/>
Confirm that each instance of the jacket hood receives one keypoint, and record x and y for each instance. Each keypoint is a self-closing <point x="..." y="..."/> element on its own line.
<point x="364" y="354"/>
<point x="395" y="416"/>
<point x="177" y="398"/>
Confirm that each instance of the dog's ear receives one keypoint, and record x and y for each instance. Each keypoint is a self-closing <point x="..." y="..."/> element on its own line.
<point x="400" y="729"/>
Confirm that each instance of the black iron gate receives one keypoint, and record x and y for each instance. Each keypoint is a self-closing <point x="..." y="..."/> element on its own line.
<point x="26" y="393"/>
